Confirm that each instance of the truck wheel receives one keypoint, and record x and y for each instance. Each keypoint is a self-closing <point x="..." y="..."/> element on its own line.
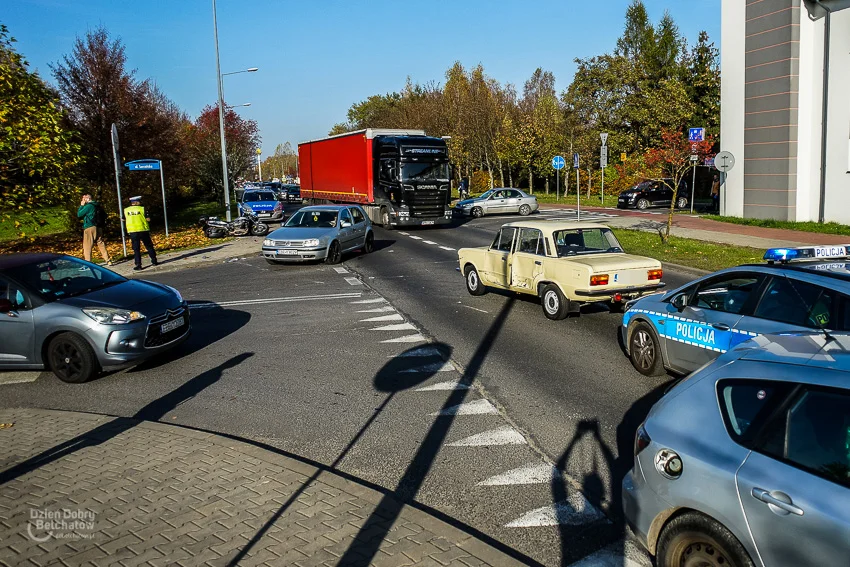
<point x="643" y="204"/>
<point x="555" y="306"/>
<point x="334" y="255"/>
<point x="477" y="212"/>
<point x="71" y="358"/>
<point x="385" y="219"/>
<point x="696" y="539"/>
<point x="473" y="282"/>
<point x="644" y="351"/>
<point x="525" y="210"/>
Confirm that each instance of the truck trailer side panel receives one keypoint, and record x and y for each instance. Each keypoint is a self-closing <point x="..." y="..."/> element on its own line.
<point x="337" y="169"/>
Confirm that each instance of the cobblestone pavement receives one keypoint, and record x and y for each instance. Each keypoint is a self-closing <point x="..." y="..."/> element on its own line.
<point x="85" y="489"/>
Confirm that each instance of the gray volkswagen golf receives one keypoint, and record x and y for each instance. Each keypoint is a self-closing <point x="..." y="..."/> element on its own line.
<point x="76" y="318"/>
<point x="320" y="232"/>
<point x="747" y="461"/>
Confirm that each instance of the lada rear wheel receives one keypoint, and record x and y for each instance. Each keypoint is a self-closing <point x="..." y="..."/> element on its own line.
<point x="525" y="210"/>
<point x="644" y="351"/>
<point x="694" y="539"/>
<point x="477" y="212"/>
<point x="473" y="282"/>
<point x="71" y="358"/>
<point x="555" y="306"/>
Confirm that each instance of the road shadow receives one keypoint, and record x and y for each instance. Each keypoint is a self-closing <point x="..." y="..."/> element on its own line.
<point x="191" y="253"/>
<point x="402" y="372"/>
<point x="588" y="443"/>
<point x="153" y="411"/>
<point x="210" y="324"/>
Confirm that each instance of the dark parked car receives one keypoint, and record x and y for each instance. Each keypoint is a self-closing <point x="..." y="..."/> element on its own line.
<point x="75" y="318"/>
<point x="290" y="193"/>
<point x="652" y="193"/>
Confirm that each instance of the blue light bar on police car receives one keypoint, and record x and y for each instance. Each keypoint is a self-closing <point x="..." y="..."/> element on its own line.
<point x="806" y="253"/>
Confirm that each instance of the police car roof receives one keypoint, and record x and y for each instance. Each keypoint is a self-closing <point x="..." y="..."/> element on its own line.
<point x="810" y="349"/>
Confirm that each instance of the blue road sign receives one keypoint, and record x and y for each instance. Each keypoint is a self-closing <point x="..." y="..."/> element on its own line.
<point x="558" y="162"/>
<point x="696" y="134"/>
<point x="709" y="161"/>
<point x="143" y="165"/>
<point x="575" y="161"/>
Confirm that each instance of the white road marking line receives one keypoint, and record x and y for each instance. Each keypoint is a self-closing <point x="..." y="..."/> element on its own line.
<point x="415" y="237"/>
<point x="422" y="351"/>
<point x="429" y="242"/>
<point x="574" y="511"/>
<point x="407" y="339"/>
<point x="272" y="300"/>
<point x="341" y="270"/>
<point x="404" y="233"/>
<point x="393" y="317"/>
<point x="377" y="309"/>
<point x="473" y="308"/>
<point x="444" y="386"/>
<point x="353" y="281"/>
<point x="478" y="407"/>
<point x="376" y="300"/>
<point x="505" y="435"/>
<point x="399" y="327"/>
<point x="18" y="377"/>
<point x="447" y="248"/>
<point x="431" y="368"/>
<point x="533" y="473"/>
<point x="623" y="553"/>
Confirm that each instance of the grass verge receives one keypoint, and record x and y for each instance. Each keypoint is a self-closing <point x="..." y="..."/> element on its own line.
<point x="825" y="228"/>
<point x="686" y="251"/>
<point x="43" y="222"/>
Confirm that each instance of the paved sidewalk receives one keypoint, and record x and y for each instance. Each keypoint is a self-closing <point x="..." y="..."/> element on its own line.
<point x="85" y="489"/>
<point x="688" y="226"/>
<point x="217" y="251"/>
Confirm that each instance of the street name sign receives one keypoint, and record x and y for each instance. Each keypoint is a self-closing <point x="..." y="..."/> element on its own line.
<point x="143" y="165"/>
<point x="696" y="134"/>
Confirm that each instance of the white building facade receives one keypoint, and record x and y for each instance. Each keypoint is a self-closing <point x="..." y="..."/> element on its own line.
<point x="776" y="57"/>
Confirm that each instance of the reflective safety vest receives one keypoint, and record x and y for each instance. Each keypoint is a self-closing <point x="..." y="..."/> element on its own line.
<point x="136" y="221"/>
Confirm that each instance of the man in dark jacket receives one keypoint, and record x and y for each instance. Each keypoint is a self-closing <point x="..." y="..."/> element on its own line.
<point x="92" y="233"/>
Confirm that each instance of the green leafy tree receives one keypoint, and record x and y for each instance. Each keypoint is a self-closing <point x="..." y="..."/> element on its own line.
<point x="703" y="84"/>
<point x="37" y="153"/>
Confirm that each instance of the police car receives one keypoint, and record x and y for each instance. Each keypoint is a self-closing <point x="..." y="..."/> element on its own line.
<point x="263" y="202"/>
<point x="797" y="289"/>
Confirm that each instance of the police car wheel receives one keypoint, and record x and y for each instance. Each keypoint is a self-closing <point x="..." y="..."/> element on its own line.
<point x="644" y="351"/>
<point x="555" y="306"/>
<point x="473" y="282"/>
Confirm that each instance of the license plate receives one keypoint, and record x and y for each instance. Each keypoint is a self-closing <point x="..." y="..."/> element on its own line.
<point x="427" y="222"/>
<point x="288" y="252"/>
<point x="830" y="252"/>
<point x="171" y="325"/>
<point x="264" y="215"/>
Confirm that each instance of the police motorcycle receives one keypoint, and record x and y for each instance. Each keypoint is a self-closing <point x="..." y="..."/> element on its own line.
<point x="246" y="224"/>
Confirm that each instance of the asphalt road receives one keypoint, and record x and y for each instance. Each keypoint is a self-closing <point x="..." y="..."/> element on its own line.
<point x="388" y="370"/>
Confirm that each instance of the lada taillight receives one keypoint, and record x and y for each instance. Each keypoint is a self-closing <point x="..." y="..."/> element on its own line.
<point x="654" y="274"/>
<point x="600" y="279"/>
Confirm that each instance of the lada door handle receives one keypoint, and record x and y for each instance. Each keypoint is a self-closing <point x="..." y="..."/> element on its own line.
<point x="538" y="262"/>
<point x="720" y="326"/>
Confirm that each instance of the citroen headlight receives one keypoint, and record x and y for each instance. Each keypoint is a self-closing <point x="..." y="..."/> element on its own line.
<point x="311" y="242"/>
<point x="268" y="242"/>
<point x="113" y="316"/>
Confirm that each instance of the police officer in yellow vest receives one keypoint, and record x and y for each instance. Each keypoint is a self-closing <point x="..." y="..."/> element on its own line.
<point x="139" y="229"/>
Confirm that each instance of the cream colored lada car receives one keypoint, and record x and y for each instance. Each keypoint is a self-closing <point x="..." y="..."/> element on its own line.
<point x="566" y="264"/>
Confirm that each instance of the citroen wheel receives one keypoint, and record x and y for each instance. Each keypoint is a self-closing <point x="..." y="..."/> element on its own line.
<point x="644" y="351"/>
<point x="473" y="282"/>
<point x="71" y="358"/>
<point x="554" y="303"/>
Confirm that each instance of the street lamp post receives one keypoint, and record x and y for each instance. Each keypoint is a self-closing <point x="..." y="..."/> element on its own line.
<point x="221" y="111"/>
<point x="259" y="166"/>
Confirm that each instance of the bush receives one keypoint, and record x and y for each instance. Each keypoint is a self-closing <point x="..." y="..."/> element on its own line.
<point x="480" y="182"/>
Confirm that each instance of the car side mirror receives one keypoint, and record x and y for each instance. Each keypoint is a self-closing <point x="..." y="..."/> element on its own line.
<point x="680" y="302"/>
<point x="6" y="306"/>
<point x="345" y="224"/>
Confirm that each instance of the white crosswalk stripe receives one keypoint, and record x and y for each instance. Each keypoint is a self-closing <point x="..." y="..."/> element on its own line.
<point x="393" y="317"/>
<point x="505" y="435"/>
<point x="532" y="473"/>
<point x="406" y="339"/>
<point x="477" y="407"/>
<point x="574" y="511"/>
<point x="376" y="300"/>
<point x="399" y="327"/>
<point x="377" y="309"/>
<point x="572" y="215"/>
<point x="443" y="386"/>
<point x="430" y="368"/>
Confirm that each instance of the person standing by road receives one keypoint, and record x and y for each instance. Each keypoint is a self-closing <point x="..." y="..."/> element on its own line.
<point x="94" y="222"/>
<point x="715" y="194"/>
<point x="138" y="227"/>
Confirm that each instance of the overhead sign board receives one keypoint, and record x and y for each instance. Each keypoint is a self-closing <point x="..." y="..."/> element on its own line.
<point x="696" y="134"/>
<point x="559" y="163"/>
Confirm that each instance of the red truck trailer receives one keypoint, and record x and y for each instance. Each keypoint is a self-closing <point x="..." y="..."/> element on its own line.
<point x="399" y="177"/>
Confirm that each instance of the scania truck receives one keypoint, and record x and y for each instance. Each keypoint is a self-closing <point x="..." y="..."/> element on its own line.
<point x="399" y="177"/>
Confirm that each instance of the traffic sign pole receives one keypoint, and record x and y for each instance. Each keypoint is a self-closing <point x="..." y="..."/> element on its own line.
<point x="118" y="185"/>
<point x="164" y="213"/>
<point x="693" y="186"/>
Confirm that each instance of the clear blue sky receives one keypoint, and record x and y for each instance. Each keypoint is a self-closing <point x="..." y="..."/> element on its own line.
<point x="317" y="57"/>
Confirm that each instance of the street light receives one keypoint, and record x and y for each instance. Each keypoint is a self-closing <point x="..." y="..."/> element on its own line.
<point x="237" y="105"/>
<point x="221" y="110"/>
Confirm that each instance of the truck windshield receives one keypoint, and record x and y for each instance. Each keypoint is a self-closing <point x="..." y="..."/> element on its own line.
<point x="425" y="172"/>
<point x="585" y="241"/>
